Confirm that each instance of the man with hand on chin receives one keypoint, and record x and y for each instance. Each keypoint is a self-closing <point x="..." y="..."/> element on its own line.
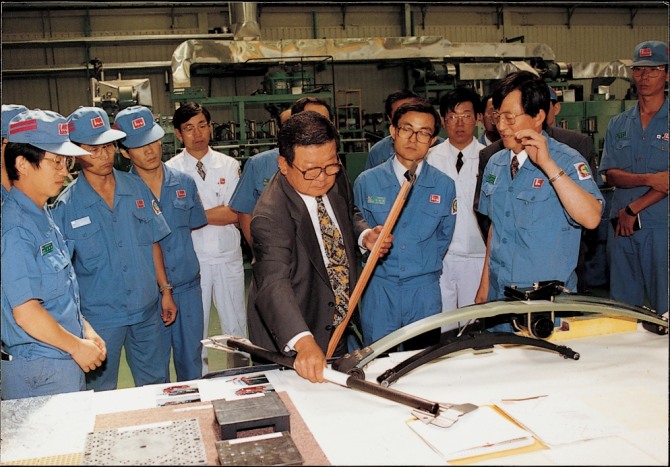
<point x="538" y="193"/>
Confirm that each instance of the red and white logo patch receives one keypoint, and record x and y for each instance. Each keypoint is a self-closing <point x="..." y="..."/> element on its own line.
<point x="138" y="123"/>
<point x="63" y="129"/>
<point x="222" y="181"/>
<point x="538" y="182"/>
<point x="181" y="193"/>
<point x="435" y="198"/>
<point x="97" y="122"/>
<point x="646" y="52"/>
<point x="139" y="203"/>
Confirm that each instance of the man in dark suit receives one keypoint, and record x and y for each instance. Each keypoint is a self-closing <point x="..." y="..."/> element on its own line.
<point x="576" y="140"/>
<point x="292" y="305"/>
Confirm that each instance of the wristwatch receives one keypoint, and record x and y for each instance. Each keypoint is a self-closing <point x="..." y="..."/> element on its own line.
<point x="629" y="211"/>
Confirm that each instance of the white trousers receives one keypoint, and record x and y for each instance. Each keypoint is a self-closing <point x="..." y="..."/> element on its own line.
<point x="223" y="284"/>
<point x="459" y="282"/>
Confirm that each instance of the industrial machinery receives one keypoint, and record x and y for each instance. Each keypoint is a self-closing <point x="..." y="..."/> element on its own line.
<point x="430" y="65"/>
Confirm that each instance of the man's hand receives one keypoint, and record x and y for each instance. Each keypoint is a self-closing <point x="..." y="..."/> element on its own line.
<point x="535" y="145"/>
<point x="371" y="238"/>
<point x="169" y="307"/>
<point x="88" y="355"/>
<point x="659" y="181"/>
<point x="310" y="359"/>
<point x="624" y="227"/>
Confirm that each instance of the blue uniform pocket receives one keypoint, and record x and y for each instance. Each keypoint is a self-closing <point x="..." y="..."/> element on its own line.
<point x="87" y="242"/>
<point x="531" y="210"/>
<point x="181" y="214"/>
<point x="54" y="278"/>
<point x="144" y="227"/>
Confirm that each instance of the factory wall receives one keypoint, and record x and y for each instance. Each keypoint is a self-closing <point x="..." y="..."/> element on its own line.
<point x="582" y="34"/>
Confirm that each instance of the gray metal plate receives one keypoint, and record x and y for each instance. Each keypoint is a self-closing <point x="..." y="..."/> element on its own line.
<point x="166" y="443"/>
<point x="272" y="449"/>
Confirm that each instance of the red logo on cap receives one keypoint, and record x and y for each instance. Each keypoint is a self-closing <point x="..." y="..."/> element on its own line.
<point x="646" y="52"/>
<point x="25" y="125"/>
<point x="63" y="129"/>
<point x="97" y="122"/>
<point x="138" y="123"/>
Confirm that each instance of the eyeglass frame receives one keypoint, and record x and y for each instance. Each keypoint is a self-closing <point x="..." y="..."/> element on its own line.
<point x="66" y="162"/>
<point x="337" y="164"/>
<point x="652" y="71"/>
<point x="417" y="133"/>
<point x="189" y="129"/>
<point x="454" y="117"/>
<point x="99" y="148"/>
<point x="498" y="115"/>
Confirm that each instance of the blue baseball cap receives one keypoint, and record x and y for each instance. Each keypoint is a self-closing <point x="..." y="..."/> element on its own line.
<point x="139" y="125"/>
<point x="10" y="111"/>
<point x="552" y="94"/>
<point x="90" y="125"/>
<point x="651" y="53"/>
<point x="45" y="130"/>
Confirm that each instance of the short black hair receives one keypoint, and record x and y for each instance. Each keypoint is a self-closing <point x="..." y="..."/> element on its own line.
<point x="187" y="111"/>
<point x="32" y="154"/>
<point x="461" y="94"/>
<point x="534" y="92"/>
<point x="306" y="128"/>
<point x="396" y="96"/>
<point x="300" y="104"/>
<point x="422" y="106"/>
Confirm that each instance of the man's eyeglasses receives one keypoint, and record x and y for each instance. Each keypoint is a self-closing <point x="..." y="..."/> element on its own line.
<point x="62" y="162"/>
<point x="422" y="136"/>
<point x="465" y="118"/>
<point x="315" y="172"/>
<point x="188" y="129"/>
<point x="508" y="117"/>
<point x="651" y="71"/>
<point x="98" y="150"/>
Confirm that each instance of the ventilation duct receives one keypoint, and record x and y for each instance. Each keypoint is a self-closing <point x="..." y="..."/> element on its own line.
<point x="244" y="22"/>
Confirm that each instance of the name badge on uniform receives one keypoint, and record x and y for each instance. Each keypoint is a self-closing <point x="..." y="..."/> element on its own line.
<point x="139" y="203"/>
<point x="538" y="182"/>
<point x="80" y="222"/>
<point x="376" y="200"/>
<point x="490" y="178"/>
<point x="181" y="193"/>
<point x="435" y="199"/>
<point x="47" y="248"/>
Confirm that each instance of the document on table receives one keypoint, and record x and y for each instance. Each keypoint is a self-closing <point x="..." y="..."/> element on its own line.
<point x="482" y="431"/>
<point x="557" y="420"/>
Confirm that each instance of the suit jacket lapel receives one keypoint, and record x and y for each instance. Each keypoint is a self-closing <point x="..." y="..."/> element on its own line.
<point x="304" y="228"/>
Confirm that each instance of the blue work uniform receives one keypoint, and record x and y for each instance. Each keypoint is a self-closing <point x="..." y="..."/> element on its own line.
<point x="4" y="192"/>
<point x="534" y="239"/>
<point x="258" y="170"/>
<point x="183" y="211"/>
<point x="36" y="266"/>
<point x="113" y="258"/>
<point x="638" y="263"/>
<point x="405" y="285"/>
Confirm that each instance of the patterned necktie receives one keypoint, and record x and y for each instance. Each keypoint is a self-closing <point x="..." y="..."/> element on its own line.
<point x="514" y="167"/>
<point x="459" y="162"/>
<point x="201" y="169"/>
<point x="338" y="264"/>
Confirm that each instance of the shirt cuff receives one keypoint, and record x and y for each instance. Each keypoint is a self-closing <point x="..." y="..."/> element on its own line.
<point x="360" y="240"/>
<point x="290" y="345"/>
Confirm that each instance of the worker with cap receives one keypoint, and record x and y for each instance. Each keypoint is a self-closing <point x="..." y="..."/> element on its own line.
<point x="113" y="223"/>
<point x="635" y="162"/>
<point x="181" y="206"/>
<point x="50" y="343"/>
<point x="9" y="111"/>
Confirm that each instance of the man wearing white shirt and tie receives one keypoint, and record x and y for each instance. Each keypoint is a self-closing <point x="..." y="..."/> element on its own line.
<point x="217" y="244"/>
<point x="458" y="157"/>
